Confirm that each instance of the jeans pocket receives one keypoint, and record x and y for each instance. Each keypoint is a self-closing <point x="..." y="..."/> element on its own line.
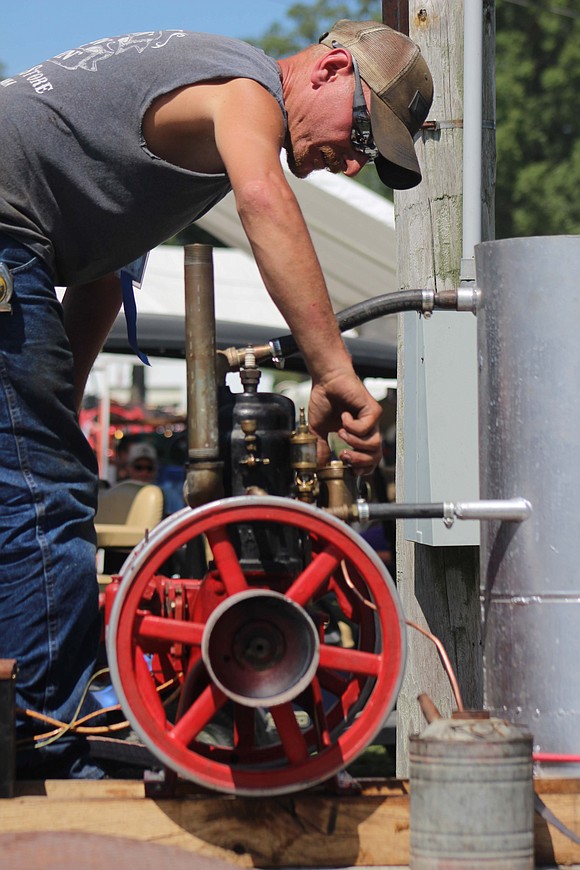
<point x="18" y="260"/>
<point x="15" y="256"/>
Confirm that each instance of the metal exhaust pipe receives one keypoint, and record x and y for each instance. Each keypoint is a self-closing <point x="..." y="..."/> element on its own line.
<point x="204" y="480"/>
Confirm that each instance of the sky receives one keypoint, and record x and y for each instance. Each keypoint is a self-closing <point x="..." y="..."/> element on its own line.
<point x="39" y="29"/>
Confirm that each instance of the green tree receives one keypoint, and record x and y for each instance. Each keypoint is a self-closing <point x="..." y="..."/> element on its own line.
<point x="305" y="22"/>
<point x="538" y="117"/>
<point x="538" y="104"/>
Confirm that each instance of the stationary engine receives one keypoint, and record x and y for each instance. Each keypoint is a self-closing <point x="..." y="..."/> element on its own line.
<point x="256" y="641"/>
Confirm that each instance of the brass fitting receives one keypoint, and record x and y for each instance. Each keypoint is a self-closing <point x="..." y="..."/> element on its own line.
<point x="303" y="461"/>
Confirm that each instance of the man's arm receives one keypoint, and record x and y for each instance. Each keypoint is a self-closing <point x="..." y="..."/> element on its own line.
<point x="287" y="261"/>
<point x="89" y="313"/>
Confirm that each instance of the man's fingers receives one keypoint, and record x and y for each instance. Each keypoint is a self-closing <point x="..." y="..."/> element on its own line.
<point x="322" y="452"/>
<point x="363" y="425"/>
<point x="362" y="463"/>
<point x="362" y="441"/>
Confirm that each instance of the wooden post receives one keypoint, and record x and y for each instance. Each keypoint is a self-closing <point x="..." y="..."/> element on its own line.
<point x="8" y="671"/>
<point x="396" y="15"/>
<point x="439" y="586"/>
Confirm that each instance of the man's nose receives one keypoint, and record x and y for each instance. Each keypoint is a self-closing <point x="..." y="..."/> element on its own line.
<point x="355" y="164"/>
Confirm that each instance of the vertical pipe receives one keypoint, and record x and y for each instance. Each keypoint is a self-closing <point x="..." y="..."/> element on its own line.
<point x="204" y="470"/>
<point x="529" y="418"/>
<point x="472" y="127"/>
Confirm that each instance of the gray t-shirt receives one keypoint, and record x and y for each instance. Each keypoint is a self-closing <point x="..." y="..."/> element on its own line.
<point x="78" y="184"/>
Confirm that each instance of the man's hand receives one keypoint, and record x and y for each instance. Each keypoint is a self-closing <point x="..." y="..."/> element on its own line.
<point x="342" y="404"/>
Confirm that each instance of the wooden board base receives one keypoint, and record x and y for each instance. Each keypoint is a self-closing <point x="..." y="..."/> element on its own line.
<point x="310" y="829"/>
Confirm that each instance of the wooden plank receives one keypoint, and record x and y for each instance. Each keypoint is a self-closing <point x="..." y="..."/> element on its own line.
<point x="306" y="830"/>
<point x="562" y="797"/>
<point x="311" y="829"/>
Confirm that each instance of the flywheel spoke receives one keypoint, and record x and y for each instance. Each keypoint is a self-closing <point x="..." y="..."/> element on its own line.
<point x="171" y="630"/>
<point x="314" y="575"/>
<point x="350" y="660"/>
<point x="199" y="714"/>
<point x="289" y="732"/>
<point x="150" y="694"/>
<point x="226" y="560"/>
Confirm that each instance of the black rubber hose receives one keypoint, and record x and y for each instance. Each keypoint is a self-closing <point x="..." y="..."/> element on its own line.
<point x="362" y="312"/>
<point x="394" y="511"/>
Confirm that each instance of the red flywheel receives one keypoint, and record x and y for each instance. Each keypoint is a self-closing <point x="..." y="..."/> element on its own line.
<point x="279" y="674"/>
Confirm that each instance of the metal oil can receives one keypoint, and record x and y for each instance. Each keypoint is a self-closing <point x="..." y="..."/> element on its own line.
<point x="472" y="795"/>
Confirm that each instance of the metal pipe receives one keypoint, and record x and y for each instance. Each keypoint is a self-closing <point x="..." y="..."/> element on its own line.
<point x="423" y="301"/>
<point x="204" y="471"/>
<point x="363" y="312"/>
<point x="529" y="418"/>
<point x="514" y="510"/>
<point x="472" y="127"/>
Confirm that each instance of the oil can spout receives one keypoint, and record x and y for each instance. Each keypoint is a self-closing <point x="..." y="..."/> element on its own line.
<point x="428" y="708"/>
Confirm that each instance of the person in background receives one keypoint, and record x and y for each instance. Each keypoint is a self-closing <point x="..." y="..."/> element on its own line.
<point x="142" y="463"/>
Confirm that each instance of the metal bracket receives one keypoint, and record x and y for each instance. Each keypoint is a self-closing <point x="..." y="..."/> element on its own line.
<point x="455" y="124"/>
<point x="428" y="302"/>
<point x="276" y="352"/>
<point x="435" y="126"/>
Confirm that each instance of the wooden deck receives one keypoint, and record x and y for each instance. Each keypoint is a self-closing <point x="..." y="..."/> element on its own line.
<point x="310" y="829"/>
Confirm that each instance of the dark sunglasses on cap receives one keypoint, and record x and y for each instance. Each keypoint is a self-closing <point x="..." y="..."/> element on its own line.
<point x="361" y="135"/>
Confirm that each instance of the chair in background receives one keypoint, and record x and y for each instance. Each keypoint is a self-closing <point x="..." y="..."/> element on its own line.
<point x="125" y="514"/>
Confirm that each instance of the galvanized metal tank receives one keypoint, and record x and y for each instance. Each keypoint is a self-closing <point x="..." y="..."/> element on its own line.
<point x="529" y="429"/>
<point x="472" y="796"/>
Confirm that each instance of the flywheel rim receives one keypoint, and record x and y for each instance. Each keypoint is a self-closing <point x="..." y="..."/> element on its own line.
<point x="304" y="769"/>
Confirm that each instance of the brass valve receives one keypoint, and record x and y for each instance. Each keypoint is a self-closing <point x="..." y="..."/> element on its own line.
<point x="251" y="442"/>
<point x="303" y="461"/>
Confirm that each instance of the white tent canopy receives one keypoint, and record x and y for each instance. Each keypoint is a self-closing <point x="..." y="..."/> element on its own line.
<point x="240" y="295"/>
<point x="243" y="309"/>
<point x="353" y="231"/>
<point x="354" y="236"/>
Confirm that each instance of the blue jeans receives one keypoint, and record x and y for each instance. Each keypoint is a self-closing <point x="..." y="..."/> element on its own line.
<point x="49" y="619"/>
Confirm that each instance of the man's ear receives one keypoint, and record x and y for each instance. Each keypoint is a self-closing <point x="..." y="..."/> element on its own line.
<point x="334" y="63"/>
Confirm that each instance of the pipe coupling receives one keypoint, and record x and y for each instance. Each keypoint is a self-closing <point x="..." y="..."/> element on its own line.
<point x="203" y="483"/>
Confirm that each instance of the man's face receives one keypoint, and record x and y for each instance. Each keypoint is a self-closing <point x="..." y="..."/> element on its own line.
<point x="143" y="469"/>
<point x="300" y="166"/>
<point x="320" y="138"/>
